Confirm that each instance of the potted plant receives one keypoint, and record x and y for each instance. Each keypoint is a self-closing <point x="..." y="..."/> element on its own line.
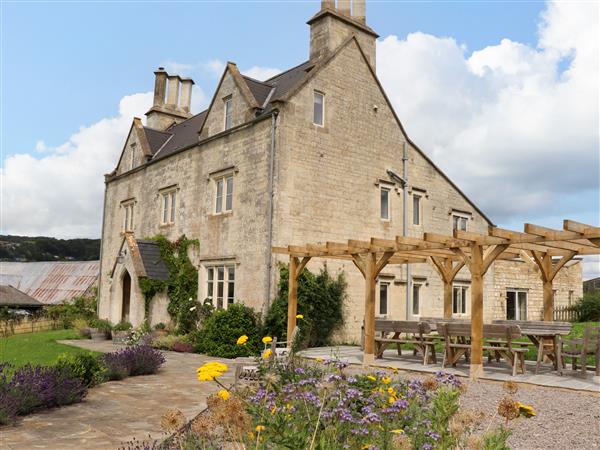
<point x="121" y="332"/>
<point x="160" y="329"/>
<point x="100" y="329"/>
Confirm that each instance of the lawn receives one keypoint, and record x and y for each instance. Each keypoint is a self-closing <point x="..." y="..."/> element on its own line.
<point x="37" y="348"/>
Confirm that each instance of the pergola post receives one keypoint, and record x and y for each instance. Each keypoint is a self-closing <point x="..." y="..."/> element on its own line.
<point x="447" y="272"/>
<point x="369" y="353"/>
<point x="296" y="267"/>
<point x="548" y="272"/>
<point x="478" y="264"/>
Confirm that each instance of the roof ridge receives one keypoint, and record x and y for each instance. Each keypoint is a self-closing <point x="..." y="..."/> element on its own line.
<point x="158" y="131"/>
<point x="255" y="80"/>
<point x="286" y="71"/>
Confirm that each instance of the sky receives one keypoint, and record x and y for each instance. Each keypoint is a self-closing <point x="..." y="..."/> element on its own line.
<point x="502" y="95"/>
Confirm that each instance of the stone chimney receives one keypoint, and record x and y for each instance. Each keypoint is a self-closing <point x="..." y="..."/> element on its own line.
<point x="172" y="99"/>
<point x="334" y="24"/>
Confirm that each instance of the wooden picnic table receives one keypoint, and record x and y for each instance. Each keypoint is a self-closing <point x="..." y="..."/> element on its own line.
<point x="543" y="334"/>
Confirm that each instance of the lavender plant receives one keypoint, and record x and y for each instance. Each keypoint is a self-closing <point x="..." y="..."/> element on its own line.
<point x="132" y="361"/>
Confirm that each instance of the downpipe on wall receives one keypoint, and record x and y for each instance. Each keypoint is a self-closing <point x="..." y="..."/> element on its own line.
<point x="404" y="227"/>
<point x="269" y="258"/>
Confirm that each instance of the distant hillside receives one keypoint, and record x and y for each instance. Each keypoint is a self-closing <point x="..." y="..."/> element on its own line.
<point x="39" y="248"/>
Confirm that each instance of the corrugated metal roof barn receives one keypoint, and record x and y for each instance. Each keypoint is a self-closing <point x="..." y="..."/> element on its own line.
<point x="53" y="281"/>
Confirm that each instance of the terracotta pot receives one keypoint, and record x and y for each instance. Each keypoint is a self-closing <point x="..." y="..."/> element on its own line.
<point x="98" y="335"/>
<point x="159" y="333"/>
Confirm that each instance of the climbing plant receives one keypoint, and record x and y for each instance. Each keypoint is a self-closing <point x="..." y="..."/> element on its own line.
<point x="182" y="285"/>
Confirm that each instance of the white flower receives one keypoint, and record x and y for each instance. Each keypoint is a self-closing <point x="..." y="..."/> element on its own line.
<point x="192" y="308"/>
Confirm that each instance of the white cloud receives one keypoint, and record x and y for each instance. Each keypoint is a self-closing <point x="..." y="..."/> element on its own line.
<point x="508" y="124"/>
<point x="261" y="73"/>
<point x="60" y="194"/>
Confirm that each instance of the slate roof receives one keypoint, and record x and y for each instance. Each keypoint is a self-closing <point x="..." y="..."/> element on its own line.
<point x="11" y="296"/>
<point x="155" y="266"/>
<point x="185" y="134"/>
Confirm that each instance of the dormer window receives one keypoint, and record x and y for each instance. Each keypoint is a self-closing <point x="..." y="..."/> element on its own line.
<point x="318" y="108"/>
<point x="228" y="107"/>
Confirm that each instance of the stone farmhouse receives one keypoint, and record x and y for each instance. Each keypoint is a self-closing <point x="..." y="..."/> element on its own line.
<point x="314" y="154"/>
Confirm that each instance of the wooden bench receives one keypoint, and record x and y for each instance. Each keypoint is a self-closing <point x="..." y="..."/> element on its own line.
<point x="404" y="332"/>
<point x="543" y="334"/>
<point x="457" y="338"/>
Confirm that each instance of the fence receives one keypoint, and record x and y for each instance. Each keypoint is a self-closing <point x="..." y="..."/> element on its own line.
<point x="566" y="314"/>
<point x="26" y="325"/>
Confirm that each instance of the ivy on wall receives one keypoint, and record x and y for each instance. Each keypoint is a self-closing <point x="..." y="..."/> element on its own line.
<point x="182" y="285"/>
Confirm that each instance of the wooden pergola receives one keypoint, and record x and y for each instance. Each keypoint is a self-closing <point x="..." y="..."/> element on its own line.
<point x="545" y="248"/>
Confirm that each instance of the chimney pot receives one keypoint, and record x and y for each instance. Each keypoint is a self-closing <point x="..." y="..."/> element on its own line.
<point x="185" y="98"/>
<point x="359" y="10"/>
<point x="160" y="86"/>
<point x="344" y="7"/>
<point x="173" y="91"/>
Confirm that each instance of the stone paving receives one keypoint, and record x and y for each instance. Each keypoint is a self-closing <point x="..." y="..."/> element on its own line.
<point x="116" y="412"/>
<point x="492" y="371"/>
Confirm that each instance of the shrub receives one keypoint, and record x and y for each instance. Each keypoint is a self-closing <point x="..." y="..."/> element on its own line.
<point x="122" y="326"/>
<point x="101" y="324"/>
<point x="132" y="361"/>
<point x="320" y="301"/>
<point x="165" y="342"/>
<point x="221" y="330"/>
<point x="589" y="307"/>
<point x="160" y="326"/>
<point x="82" y="327"/>
<point x="85" y="366"/>
<point x="36" y="387"/>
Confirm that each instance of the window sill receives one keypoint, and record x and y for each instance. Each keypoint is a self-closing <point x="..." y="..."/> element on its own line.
<point x="166" y="225"/>
<point x="223" y="214"/>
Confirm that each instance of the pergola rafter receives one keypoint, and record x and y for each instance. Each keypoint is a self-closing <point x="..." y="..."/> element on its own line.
<point x="544" y="248"/>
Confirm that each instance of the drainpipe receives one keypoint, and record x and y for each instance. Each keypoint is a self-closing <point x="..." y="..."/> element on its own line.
<point x="269" y="258"/>
<point x="404" y="228"/>
<point x="101" y="251"/>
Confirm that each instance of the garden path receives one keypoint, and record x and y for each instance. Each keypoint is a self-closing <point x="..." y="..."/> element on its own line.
<point x="115" y="412"/>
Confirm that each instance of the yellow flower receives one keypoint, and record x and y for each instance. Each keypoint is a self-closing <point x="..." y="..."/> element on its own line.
<point x="319" y="360"/>
<point x="242" y="340"/>
<point x="392" y="399"/>
<point x="267" y="353"/>
<point x="386" y="380"/>
<point x="223" y="394"/>
<point x="211" y="370"/>
<point x="267" y="339"/>
<point x="397" y="431"/>
<point x="372" y="378"/>
<point x="525" y="410"/>
<point x="260" y="428"/>
<point x="365" y="447"/>
<point x="299" y="316"/>
<point x="391" y="391"/>
<point x="250" y="435"/>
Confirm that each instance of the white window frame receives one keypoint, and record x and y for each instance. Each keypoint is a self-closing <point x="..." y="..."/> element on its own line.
<point x="228" y="112"/>
<point x="226" y="284"/>
<point x="221" y="205"/>
<point x="416" y="287"/>
<point x="322" y="96"/>
<point x="387" y="285"/>
<point x="461" y="301"/>
<point x="168" y="206"/>
<point x="388" y="190"/>
<point x="457" y="219"/>
<point x="128" y="214"/>
<point x="517" y="301"/>
<point x="417" y="198"/>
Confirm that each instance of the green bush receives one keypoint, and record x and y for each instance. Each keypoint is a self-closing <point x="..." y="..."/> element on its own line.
<point x="589" y="307"/>
<point x="320" y="300"/>
<point x="82" y="307"/>
<point x="219" y="335"/>
<point x="122" y="326"/>
<point x="101" y="324"/>
<point x="85" y="366"/>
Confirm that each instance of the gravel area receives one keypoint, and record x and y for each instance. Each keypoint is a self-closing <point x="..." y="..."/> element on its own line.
<point x="565" y="419"/>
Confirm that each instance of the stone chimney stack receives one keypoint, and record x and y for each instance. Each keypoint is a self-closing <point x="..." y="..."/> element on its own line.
<point x="185" y="96"/>
<point x="333" y="25"/>
<point x="172" y="99"/>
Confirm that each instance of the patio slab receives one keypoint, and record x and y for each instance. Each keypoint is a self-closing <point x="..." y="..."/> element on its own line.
<point x="492" y="371"/>
<point x="114" y="413"/>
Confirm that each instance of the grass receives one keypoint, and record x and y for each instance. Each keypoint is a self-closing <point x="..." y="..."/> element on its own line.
<point x="37" y="348"/>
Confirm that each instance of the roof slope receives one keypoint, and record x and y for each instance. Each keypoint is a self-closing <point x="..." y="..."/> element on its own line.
<point x="155" y="266"/>
<point x="10" y="296"/>
<point x="51" y="282"/>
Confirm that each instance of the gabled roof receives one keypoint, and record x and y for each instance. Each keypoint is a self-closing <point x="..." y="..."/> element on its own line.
<point x="155" y="266"/>
<point x="11" y="296"/>
<point x="176" y="137"/>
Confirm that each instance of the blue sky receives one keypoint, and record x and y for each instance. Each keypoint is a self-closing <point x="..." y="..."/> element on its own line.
<point x="503" y="96"/>
<point x="68" y="64"/>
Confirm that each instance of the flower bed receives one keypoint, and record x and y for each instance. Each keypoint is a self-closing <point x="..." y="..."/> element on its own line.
<point x="30" y="388"/>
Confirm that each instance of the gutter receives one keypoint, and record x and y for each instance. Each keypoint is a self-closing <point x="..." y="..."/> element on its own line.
<point x="269" y="257"/>
<point x="404" y="229"/>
